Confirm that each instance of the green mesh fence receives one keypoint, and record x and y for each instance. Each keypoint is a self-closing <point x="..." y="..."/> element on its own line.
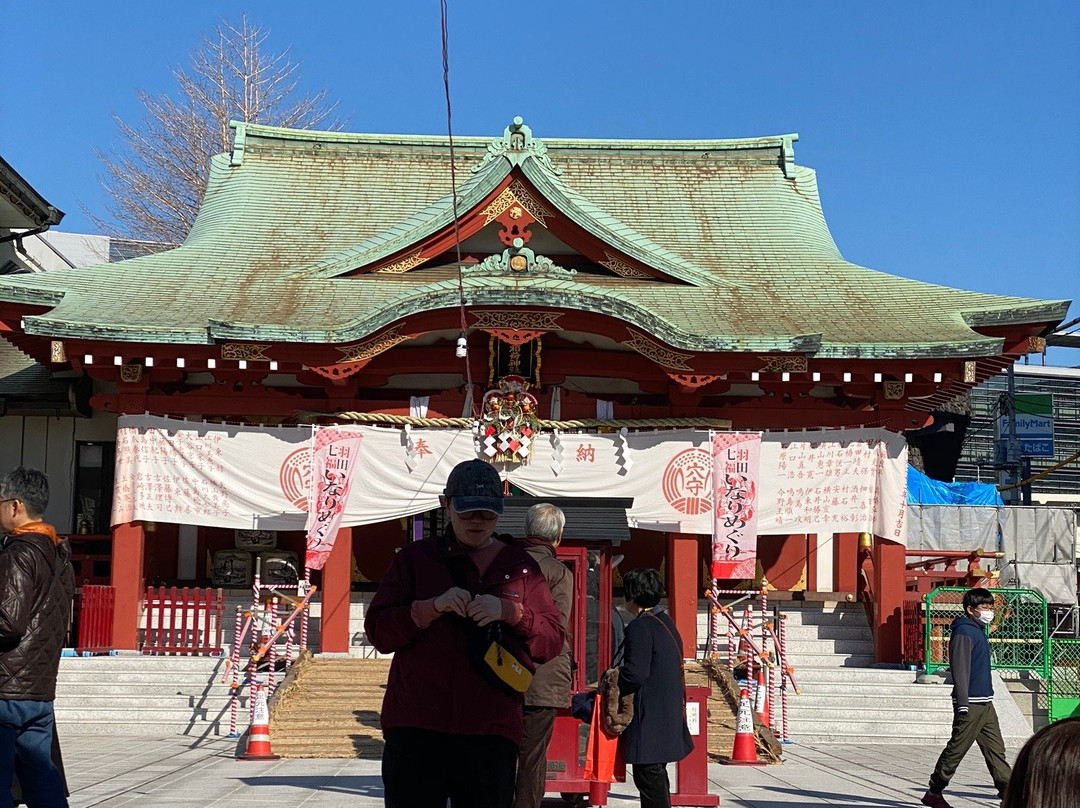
<point x="1018" y="636"/>
<point x="1064" y="679"/>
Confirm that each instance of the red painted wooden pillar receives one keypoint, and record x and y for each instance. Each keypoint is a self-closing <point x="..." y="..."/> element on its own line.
<point x="845" y="561"/>
<point x="889" y="569"/>
<point x="337" y="588"/>
<point x="683" y="582"/>
<point x="128" y="548"/>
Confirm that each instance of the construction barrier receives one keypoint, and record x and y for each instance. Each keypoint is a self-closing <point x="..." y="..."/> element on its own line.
<point x="183" y="621"/>
<point x="267" y="632"/>
<point x="96" y="609"/>
<point x="1019" y="636"/>
<point x="766" y="670"/>
<point x="1064" y="683"/>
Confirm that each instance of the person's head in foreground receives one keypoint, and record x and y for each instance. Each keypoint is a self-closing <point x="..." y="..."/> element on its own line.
<point x="473" y="499"/>
<point x="1047" y="770"/>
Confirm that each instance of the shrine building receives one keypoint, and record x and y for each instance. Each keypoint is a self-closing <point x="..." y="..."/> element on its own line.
<point x="645" y="285"/>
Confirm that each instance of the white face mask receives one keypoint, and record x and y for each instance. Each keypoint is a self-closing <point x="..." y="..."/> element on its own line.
<point x="986" y="616"/>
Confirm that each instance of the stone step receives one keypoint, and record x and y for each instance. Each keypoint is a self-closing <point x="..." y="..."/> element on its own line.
<point x="808" y="673"/>
<point x="825" y="631"/>
<point x="897" y="715"/>
<point x="79" y="678"/>
<point x="874" y="689"/>
<point x="143" y="689"/>
<point x="807" y="661"/>
<point x="872" y="698"/>
<point x="140" y="662"/>
<point x="127" y="700"/>
<point x="69" y="726"/>
<point x="849" y="732"/>
<point x="842" y="617"/>
<point x="165" y="714"/>
<point x="796" y="648"/>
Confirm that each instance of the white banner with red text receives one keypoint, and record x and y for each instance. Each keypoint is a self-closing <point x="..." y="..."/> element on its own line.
<point x="170" y="470"/>
<point x="336" y="453"/>
<point x="736" y="481"/>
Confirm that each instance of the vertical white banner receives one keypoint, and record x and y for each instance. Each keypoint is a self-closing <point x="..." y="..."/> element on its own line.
<point x="736" y="470"/>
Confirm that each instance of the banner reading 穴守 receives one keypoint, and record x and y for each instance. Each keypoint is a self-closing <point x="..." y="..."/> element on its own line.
<point x="736" y="470"/>
<point x="334" y="459"/>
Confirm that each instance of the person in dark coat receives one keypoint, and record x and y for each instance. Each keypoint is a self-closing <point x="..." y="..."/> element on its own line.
<point x="450" y="732"/>
<point x="36" y="588"/>
<point x="550" y="687"/>
<point x="652" y="670"/>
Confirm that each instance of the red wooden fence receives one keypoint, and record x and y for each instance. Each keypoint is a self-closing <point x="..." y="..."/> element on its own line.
<point x="186" y="621"/>
<point x="95" y="620"/>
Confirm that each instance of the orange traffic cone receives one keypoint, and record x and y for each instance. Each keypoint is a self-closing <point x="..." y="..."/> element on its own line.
<point x="258" y="746"/>
<point x="744" y="751"/>
<point x="761" y="696"/>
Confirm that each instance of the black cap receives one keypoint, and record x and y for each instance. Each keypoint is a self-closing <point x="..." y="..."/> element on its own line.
<point x="474" y="486"/>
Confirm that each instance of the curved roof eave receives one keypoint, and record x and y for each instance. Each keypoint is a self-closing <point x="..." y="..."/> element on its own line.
<point x="573" y="296"/>
<point x="1050" y="311"/>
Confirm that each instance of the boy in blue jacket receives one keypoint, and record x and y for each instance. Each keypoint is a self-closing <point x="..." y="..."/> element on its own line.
<point x="974" y="717"/>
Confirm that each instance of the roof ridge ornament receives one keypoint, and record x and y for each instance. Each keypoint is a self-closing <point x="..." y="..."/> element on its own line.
<point x="787" y="156"/>
<point x="518" y="260"/>
<point x="517" y="144"/>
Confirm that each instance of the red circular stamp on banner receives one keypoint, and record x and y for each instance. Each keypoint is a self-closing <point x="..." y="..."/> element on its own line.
<point x="295" y="477"/>
<point x="687" y="483"/>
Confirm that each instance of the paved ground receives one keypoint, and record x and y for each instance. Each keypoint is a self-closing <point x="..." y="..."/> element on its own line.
<point x="114" y="771"/>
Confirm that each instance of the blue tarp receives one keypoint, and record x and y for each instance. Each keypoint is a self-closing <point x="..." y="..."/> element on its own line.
<point x="921" y="490"/>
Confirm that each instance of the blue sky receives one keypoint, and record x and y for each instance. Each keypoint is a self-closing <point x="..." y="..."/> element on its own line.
<point x="943" y="133"/>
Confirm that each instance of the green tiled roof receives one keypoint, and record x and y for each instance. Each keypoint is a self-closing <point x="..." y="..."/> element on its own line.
<point x="736" y="223"/>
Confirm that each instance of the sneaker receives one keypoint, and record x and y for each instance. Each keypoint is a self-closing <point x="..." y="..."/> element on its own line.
<point x="934" y="800"/>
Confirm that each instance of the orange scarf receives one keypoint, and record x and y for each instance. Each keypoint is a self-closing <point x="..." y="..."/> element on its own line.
<point x="43" y="528"/>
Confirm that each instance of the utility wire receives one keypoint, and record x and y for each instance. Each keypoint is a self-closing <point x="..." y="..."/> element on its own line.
<point x="453" y="192"/>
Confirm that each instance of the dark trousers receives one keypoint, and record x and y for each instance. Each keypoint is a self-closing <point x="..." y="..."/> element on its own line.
<point x="423" y="769"/>
<point x="652" y="781"/>
<point x="980" y="726"/>
<point x="532" y="762"/>
<point x="26" y="740"/>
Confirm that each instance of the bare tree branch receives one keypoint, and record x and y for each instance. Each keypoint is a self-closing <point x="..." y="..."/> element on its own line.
<point x="155" y="181"/>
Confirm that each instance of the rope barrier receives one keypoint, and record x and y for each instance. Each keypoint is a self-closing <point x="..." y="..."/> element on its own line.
<point x="585" y="423"/>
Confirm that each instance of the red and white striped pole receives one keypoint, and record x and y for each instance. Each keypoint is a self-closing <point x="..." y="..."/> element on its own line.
<point x="732" y="651"/>
<point x="307" y="609"/>
<point x="234" y="660"/>
<point x="256" y="585"/>
<point x="272" y="655"/>
<point x="783" y="678"/>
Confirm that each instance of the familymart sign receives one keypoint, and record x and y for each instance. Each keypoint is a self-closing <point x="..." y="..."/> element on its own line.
<point x="1034" y="424"/>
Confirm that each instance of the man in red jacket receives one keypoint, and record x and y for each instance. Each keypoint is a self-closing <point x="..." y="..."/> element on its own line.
<point x="450" y="733"/>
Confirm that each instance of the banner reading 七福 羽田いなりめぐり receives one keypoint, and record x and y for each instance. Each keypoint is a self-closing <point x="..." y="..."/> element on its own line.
<point x="335" y="456"/>
<point x="736" y="470"/>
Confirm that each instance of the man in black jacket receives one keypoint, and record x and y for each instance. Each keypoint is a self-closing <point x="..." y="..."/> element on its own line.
<point x="36" y="587"/>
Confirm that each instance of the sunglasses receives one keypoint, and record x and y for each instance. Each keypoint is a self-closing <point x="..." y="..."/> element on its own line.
<point x="476" y="516"/>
